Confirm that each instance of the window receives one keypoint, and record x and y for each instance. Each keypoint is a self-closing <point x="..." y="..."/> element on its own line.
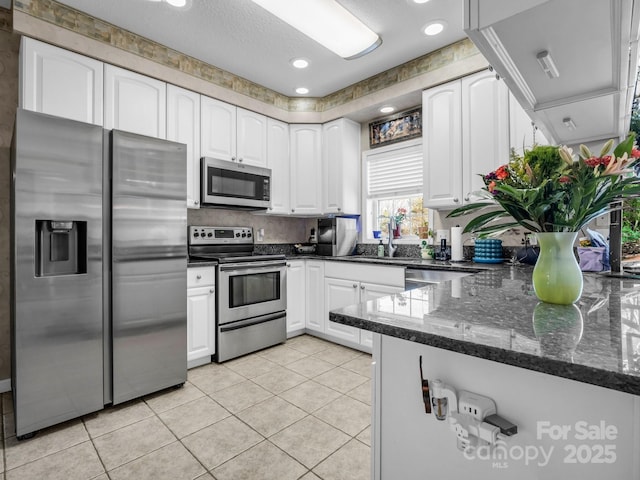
<point x="392" y="179"/>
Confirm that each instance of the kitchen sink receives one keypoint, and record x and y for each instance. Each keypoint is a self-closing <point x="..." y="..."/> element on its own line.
<point x="416" y="278"/>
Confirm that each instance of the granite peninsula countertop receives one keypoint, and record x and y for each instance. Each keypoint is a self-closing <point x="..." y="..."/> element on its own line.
<point x="494" y="314"/>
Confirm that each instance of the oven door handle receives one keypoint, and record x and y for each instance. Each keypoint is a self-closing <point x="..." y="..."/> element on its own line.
<point x="252" y="321"/>
<point x="252" y="266"/>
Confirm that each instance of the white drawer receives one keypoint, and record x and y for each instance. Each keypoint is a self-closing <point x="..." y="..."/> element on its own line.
<point x="380" y="274"/>
<point x="200" y="276"/>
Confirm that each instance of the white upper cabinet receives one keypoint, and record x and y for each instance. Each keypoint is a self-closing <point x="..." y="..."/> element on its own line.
<point x="485" y="129"/>
<point x="218" y="134"/>
<point x="134" y="103"/>
<point x="442" y="145"/>
<point x="251" y="141"/>
<point x="341" y="167"/>
<point x="306" y="169"/>
<point x="183" y="125"/>
<point x="233" y="134"/>
<point x="465" y="135"/>
<point x="278" y="162"/>
<point x="61" y="83"/>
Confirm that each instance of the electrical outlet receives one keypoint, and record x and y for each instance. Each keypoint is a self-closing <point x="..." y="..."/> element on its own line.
<point x="533" y="240"/>
<point x="475" y="405"/>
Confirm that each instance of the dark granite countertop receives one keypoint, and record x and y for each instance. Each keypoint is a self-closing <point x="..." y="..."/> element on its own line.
<point x="495" y="315"/>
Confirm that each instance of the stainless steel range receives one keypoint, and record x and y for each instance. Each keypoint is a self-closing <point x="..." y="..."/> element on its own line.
<point x="251" y="299"/>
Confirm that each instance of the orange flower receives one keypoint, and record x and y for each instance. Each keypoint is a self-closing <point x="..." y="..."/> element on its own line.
<point x="502" y="172"/>
<point x="635" y="153"/>
<point x="492" y="187"/>
<point x="564" y="179"/>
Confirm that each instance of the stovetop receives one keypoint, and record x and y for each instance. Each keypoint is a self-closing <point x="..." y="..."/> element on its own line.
<point x="224" y="245"/>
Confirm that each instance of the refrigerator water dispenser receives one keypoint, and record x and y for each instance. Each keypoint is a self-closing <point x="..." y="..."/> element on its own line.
<point x="61" y="247"/>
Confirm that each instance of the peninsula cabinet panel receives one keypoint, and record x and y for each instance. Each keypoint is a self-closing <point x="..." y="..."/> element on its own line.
<point x="61" y="83"/>
<point x="183" y="125"/>
<point x="306" y="169"/>
<point x="134" y="103"/>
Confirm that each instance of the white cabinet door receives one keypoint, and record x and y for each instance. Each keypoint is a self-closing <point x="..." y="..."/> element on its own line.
<point x="306" y="169"/>
<point x="522" y="132"/>
<point x="485" y="129"/>
<point x="296" y="289"/>
<point x="341" y="167"/>
<point x="442" y="146"/>
<point x="218" y="134"/>
<point x="134" y="103"/>
<point x="201" y="308"/>
<point x="278" y="162"/>
<point x="183" y="125"/>
<point x="251" y="141"/>
<point x="340" y="293"/>
<point x="60" y="83"/>
<point x="370" y="291"/>
<point x="315" y="309"/>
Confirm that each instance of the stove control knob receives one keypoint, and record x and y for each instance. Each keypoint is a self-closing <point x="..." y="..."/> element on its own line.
<point x="196" y="234"/>
<point x="249" y="235"/>
<point x="244" y="234"/>
<point x="209" y="234"/>
<point x="237" y="234"/>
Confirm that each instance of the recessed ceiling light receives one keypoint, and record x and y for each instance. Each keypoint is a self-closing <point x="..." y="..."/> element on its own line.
<point x="420" y="1"/>
<point x="302" y="90"/>
<point x="387" y="109"/>
<point x="434" y="28"/>
<point x="300" y="62"/>
<point x="177" y="3"/>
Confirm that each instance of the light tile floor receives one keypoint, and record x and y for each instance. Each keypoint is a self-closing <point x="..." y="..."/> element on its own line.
<point x="295" y="411"/>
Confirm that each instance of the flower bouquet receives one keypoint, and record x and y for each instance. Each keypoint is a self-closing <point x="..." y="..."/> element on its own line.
<point x="549" y="192"/>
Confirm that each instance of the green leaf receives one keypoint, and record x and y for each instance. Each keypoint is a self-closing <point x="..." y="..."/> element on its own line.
<point x="625" y="146"/>
<point x="472" y="207"/>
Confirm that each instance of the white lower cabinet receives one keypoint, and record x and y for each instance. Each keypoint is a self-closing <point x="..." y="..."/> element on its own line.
<point x="314" y="288"/>
<point x="347" y="284"/>
<point x="296" y="305"/>
<point x="201" y="311"/>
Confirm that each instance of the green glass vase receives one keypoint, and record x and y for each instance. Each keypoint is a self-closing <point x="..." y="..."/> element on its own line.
<point x="557" y="277"/>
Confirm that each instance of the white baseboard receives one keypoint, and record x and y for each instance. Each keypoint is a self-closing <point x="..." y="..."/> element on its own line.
<point x="5" y="385"/>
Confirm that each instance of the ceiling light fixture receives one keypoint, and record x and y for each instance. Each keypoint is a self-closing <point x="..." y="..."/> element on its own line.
<point x="177" y="3"/>
<point x="569" y="123"/>
<point x="547" y="64"/>
<point x="328" y="23"/>
<point x="387" y="109"/>
<point x="420" y="1"/>
<point x="302" y="90"/>
<point x="300" y="62"/>
<point x="434" y="28"/>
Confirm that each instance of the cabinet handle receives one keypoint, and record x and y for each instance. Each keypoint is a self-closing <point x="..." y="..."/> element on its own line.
<point x="293" y="210"/>
<point x="196" y="202"/>
<point x="198" y="277"/>
<point x="240" y="160"/>
<point x="467" y="196"/>
<point x="456" y="200"/>
<point x="288" y="264"/>
<point x="355" y="285"/>
<point x="361" y="287"/>
<point x="339" y="209"/>
<point x="233" y="159"/>
<point x="211" y="290"/>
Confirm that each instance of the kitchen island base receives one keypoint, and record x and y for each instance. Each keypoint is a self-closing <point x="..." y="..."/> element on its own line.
<point x="566" y="429"/>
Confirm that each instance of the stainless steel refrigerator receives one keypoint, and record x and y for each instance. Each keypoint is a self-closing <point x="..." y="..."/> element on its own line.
<point x="98" y="257"/>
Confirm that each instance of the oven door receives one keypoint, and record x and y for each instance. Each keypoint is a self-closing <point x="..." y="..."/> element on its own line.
<point x="251" y="289"/>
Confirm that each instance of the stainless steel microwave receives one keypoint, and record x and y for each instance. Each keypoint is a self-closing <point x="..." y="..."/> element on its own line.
<point x="234" y="185"/>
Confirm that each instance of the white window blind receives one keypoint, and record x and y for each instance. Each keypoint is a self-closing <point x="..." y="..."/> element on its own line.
<point x="396" y="172"/>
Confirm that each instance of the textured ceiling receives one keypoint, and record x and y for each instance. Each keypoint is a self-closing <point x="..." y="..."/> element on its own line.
<point x="242" y="38"/>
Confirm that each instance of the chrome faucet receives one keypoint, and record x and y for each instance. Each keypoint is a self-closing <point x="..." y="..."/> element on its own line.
<point x="392" y="248"/>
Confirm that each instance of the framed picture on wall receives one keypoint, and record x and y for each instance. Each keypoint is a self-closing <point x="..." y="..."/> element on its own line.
<point x="396" y="128"/>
